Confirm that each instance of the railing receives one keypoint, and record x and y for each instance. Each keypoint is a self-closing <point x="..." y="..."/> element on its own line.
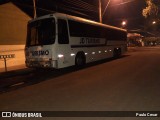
<point x="5" y="58"/>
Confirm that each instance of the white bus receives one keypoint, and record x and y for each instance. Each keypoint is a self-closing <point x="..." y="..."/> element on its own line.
<point x="59" y="40"/>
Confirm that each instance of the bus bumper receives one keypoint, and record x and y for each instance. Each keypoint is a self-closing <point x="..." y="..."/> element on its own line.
<point x="42" y="64"/>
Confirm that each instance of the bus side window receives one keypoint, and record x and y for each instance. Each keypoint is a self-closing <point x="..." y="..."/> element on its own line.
<point x="62" y="32"/>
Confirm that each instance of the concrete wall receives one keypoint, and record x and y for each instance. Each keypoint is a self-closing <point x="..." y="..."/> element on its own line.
<point x="13" y="29"/>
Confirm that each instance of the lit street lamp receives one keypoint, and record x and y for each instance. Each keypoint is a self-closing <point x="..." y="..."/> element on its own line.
<point x="124" y="23"/>
<point x="154" y="22"/>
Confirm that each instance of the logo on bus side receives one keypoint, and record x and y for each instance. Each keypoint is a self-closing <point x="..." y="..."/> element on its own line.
<point x="40" y="53"/>
<point x="87" y="40"/>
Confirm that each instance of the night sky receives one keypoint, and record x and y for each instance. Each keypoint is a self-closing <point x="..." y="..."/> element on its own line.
<point x="129" y="10"/>
<point x="116" y="12"/>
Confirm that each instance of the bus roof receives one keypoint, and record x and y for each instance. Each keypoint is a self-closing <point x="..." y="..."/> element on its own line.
<point x="75" y="18"/>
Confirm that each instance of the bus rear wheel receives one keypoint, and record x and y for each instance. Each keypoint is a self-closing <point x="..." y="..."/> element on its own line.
<point x="80" y="59"/>
<point x="117" y="53"/>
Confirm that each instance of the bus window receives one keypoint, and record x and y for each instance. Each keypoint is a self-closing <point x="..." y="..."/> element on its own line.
<point x="62" y="32"/>
<point x="41" y="32"/>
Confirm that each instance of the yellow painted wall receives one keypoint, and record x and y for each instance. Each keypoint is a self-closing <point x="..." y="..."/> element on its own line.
<point x="13" y="29"/>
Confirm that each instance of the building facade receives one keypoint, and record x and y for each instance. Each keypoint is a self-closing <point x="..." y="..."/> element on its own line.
<point x="13" y="29"/>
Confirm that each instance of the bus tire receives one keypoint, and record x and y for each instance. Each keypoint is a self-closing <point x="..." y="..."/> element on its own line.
<point x="80" y="59"/>
<point x="117" y="53"/>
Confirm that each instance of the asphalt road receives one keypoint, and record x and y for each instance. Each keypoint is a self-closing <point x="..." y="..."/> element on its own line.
<point x="130" y="83"/>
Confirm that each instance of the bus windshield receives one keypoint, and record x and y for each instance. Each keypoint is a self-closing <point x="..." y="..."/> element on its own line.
<point x="41" y="32"/>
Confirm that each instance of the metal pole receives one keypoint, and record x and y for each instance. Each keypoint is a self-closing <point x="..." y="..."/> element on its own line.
<point x="100" y="12"/>
<point x="5" y="63"/>
<point x="34" y="7"/>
